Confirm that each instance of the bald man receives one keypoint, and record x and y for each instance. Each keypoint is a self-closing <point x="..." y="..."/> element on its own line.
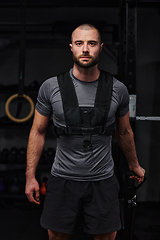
<point x="87" y="105"/>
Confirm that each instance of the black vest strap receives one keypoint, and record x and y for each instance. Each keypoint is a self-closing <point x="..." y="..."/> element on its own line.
<point x="69" y="99"/>
<point x="85" y="121"/>
<point x="104" y="90"/>
<point x="68" y="94"/>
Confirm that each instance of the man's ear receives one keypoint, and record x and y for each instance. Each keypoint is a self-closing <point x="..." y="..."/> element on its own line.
<point x="70" y="46"/>
<point x="101" y="47"/>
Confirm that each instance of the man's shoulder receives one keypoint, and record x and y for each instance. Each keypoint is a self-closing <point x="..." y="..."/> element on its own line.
<point x="118" y="84"/>
<point x="49" y="82"/>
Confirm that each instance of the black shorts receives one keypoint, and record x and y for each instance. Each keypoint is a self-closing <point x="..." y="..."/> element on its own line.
<point x="98" y="201"/>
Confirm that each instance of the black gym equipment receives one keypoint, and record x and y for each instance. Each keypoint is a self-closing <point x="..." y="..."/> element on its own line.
<point x="21" y="155"/>
<point x="20" y="95"/>
<point x="127" y="74"/>
<point x="12" y="155"/>
<point x="128" y="206"/>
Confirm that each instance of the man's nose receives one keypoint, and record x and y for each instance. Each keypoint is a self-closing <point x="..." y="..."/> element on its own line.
<point x="85" y="47"/>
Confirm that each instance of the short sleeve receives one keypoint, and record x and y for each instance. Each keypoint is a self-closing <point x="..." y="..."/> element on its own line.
<point x="123" y="101"/>
<point x="43" y="105"/>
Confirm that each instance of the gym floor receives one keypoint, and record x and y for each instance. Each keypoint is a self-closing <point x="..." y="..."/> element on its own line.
<point x="21" y="222"/>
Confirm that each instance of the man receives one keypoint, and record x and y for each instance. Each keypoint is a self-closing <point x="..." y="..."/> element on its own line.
<point x="82" y="176"/>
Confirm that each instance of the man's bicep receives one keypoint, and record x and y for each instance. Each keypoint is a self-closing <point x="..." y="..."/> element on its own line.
<point x="123" y="124"/>
<point x="40" y="122"/>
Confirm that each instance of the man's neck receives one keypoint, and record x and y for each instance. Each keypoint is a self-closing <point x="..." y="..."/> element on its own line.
<point x="86" y="74"/>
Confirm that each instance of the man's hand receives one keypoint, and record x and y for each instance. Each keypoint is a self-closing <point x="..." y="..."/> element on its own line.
<point x="139" y="171"/>
<point x="32" y="190"/>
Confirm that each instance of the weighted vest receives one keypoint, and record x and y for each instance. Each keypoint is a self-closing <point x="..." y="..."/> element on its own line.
<point x="85" y="120"/>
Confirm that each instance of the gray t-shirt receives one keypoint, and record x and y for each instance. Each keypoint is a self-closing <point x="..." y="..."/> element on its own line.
<point x="72" y="160"/>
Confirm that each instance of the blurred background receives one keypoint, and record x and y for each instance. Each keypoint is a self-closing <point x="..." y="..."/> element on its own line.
<point x="34" y="46"/>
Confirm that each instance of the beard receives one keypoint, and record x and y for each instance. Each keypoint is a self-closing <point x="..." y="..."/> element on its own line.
<point x="86" y="64"/>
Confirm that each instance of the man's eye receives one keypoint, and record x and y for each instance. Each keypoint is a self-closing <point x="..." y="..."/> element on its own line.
<point x="78" y="43"/>
<point x="92" y="43"/>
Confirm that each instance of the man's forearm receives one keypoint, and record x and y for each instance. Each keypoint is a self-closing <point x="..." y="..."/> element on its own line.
<point x="125" y="138"/>
<point x="127" y="144"/>
<point x="34" y="150"/>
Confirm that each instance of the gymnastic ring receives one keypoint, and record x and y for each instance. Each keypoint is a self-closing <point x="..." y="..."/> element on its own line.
<point x="17" y="119"/>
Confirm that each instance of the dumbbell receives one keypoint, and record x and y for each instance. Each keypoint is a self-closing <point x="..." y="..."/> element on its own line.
<point x="21" y="155"/>
<point x="43" y="186"/>
<point x="4" y="155"/>
<point x="12" y="155"/>
<point x="14" y="188"/>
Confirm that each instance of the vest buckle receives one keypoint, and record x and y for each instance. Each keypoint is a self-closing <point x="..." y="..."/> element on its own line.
<point x="86" y="144"/>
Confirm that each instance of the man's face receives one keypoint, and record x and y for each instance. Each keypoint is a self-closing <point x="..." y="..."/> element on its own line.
<point x="86" y="47"/>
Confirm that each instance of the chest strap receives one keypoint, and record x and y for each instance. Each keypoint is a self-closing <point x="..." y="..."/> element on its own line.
<point x="85" y="120"/>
